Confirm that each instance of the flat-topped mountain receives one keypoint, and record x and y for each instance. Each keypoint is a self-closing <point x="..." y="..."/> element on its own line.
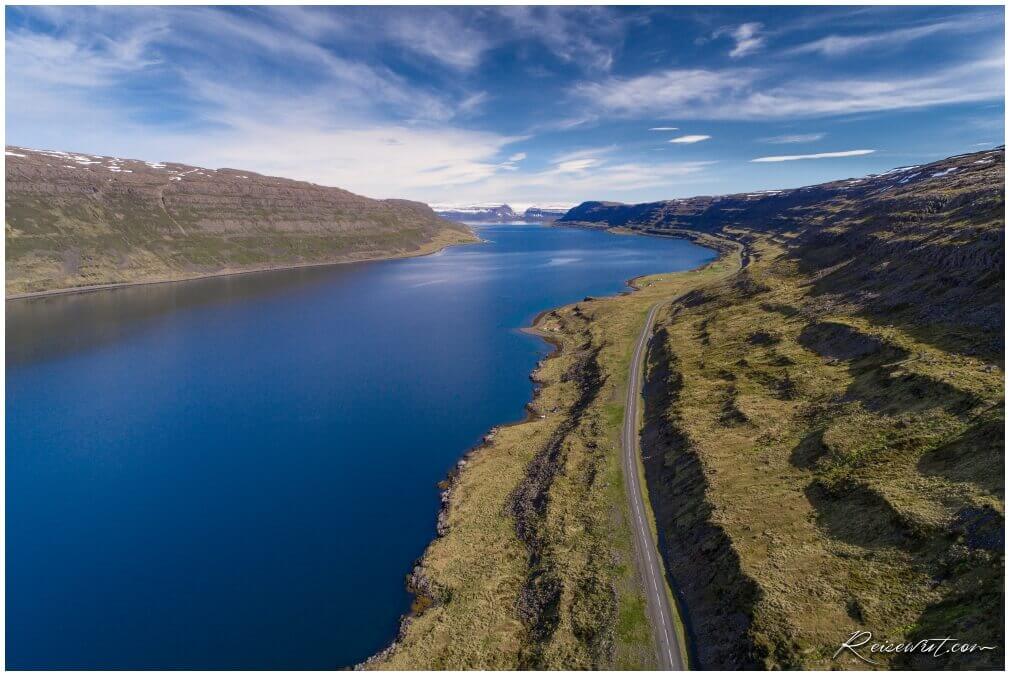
<point x="502" y="213"/>
<point x="543" y="214"/>
<point x="498" y="214"/>
<point x="77" y="220"/>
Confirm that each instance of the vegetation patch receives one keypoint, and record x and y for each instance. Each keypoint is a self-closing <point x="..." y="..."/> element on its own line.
<point x="536" y="564"/>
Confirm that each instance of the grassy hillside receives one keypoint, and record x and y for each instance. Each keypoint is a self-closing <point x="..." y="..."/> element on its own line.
<point x="79" y="220"/>
<point x="822" y="444"/>
<point x="824" y="431"/>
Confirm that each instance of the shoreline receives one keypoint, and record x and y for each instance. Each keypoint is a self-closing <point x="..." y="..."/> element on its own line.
<point x="415" y="578"/>
<point x="30" y="295"/>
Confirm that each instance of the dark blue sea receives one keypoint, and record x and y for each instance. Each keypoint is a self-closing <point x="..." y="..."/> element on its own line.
<point x="238" y="472"/>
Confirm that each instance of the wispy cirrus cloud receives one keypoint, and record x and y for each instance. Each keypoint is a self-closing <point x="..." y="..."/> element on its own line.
<point x="840" y="45"/>
<point x="674" y="90"/>
<point x="765" y="94"/>
<point x="461" y="38"/>
<point x="598" y="171"/>
<point x="432" y="102"/>
<point x="595" y="178"/>
<point x="814" y="156"/>
<point x="575" y="166"/>
<point x="334" y="121"/>
<point x="690" y="138"/>
<point x="793" y="138"/>
<point x="587" y="36"/>
<point x="439" y="34"/>
<point x="746" y="37"/>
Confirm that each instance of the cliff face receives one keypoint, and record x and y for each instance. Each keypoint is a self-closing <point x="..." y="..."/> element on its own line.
<point x="77" y="220"/>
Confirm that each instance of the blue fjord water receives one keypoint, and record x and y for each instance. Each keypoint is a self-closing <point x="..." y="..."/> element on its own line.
<point x="238" y="472"/>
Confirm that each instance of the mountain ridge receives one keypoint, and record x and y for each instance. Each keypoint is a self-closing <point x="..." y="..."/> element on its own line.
<point x="694" y="211"/>
<point x="78" y="220"/>
<point x="498" y="213"/>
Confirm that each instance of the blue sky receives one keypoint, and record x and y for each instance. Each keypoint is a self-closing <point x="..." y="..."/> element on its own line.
<point x="529" y="105"/>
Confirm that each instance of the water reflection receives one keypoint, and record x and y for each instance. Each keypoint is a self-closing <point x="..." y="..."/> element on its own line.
<point x="47" y="327"/>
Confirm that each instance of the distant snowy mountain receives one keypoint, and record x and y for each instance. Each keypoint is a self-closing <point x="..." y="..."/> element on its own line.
<point x="498" y="213"/>
<point x="501" y="213"/>
<point x="544" y="214"/>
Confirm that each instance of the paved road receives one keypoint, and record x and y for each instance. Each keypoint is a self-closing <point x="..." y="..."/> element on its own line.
<point x="657" y="600"/>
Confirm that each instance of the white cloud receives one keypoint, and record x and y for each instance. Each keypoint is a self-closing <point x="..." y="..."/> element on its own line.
<point x="839" y="45"/>
<point x="794" y="138"/>
<point x="666" y="91"/>
<point x="472" y="103"/>
<point x="604" y="179"/>
<point x="460" y="38"/>
<point x="586" y="36"/>
<point x="379" y="161"/>
<point x="51" y="60"/>
<point x="343" y="123"/>
<point x="580" y="153"/>
<point x="746" y="38"/>
<point x="815" y="156"/>
<point x="756" y="94"/>
<point x="445" y="36"/>
<point x="569" y="166"/>
<point x="581" y="174"/>
<point x="690" y="138"/>
<point x="107" y="49"/>
<point x="353" y="122"/>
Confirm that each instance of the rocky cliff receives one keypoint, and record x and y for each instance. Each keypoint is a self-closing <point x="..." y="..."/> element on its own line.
<point x="78" y="220"/>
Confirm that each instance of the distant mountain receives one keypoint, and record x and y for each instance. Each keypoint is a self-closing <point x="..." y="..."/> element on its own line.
<point x="78" y="220"/>
<point x="776" y="209"/>
<point x="484" y="214"/>
<point x="543" y="214"/>
<point x="498" y="214"/>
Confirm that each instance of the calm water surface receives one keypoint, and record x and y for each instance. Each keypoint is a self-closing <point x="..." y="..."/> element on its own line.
<point x="238" y="472"/>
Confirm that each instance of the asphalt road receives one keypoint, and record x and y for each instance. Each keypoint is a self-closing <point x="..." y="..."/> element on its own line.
<point x="657" y="600"/>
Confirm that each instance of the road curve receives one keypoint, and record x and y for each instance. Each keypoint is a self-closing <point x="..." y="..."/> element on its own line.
<point x="661" y="616"/>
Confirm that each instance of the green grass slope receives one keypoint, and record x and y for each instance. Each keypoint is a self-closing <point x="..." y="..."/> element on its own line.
<point x="824" y="430"/>
<point x="79" y="220"/>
